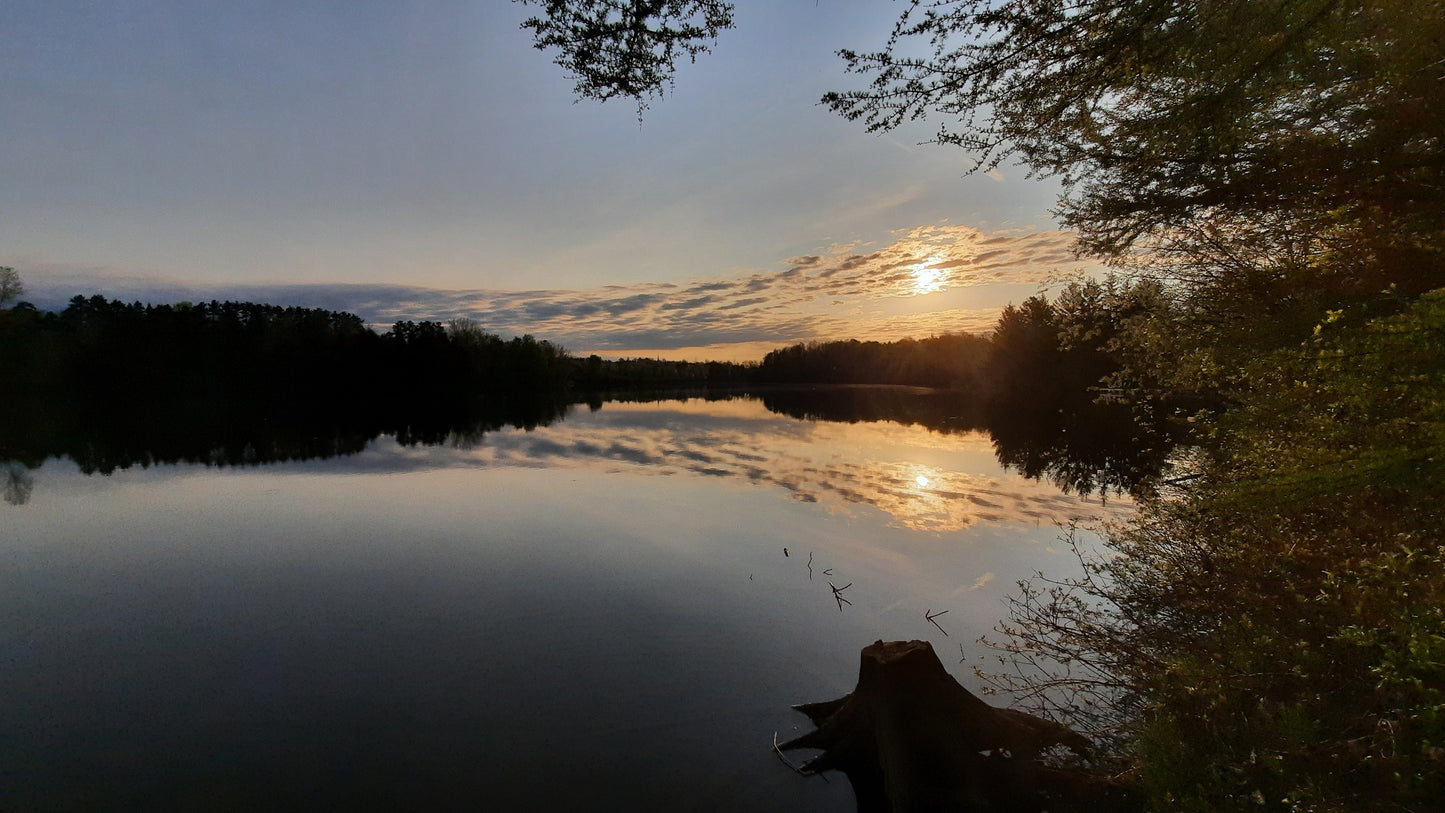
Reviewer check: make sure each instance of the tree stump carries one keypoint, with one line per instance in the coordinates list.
(910, 738)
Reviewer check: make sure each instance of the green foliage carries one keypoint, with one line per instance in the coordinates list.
(1274, 635)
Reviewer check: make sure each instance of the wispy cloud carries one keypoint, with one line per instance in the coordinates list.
(847, 291)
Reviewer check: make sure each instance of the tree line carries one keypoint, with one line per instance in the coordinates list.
(1042, 352)
(99, 349)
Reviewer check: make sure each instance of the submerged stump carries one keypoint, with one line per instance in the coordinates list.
(910, 738)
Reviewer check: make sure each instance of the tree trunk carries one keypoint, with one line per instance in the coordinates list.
(910, 738)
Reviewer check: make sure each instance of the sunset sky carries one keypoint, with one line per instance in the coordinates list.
(419, 160)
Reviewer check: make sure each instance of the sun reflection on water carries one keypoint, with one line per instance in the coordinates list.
(844, 467)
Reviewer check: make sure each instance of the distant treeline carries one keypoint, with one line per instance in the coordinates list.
(245, 358)
(595, 374)
(954, 361)
(1040, 351)
(243, 351)
(133, 351)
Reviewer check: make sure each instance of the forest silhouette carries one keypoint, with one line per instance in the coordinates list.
(113, 385)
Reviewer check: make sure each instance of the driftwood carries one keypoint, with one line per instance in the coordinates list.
(910, 738)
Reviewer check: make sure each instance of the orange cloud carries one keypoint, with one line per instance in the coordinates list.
(845, 291)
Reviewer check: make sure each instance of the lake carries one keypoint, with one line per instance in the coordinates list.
(613, 609)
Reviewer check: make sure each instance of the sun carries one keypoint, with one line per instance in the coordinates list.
(927, 279)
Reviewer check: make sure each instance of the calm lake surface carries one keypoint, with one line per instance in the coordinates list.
(611, 612)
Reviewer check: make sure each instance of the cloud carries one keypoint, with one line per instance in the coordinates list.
(692, 304)
(743, 303)
(846, 291)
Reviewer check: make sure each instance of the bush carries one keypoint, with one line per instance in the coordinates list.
(1275, 634)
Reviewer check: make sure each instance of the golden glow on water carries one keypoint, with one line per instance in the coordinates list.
(921, 479)
(736, 407)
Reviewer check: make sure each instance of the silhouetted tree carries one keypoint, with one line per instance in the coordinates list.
(626, 48)
(953, 361)
(10, 285)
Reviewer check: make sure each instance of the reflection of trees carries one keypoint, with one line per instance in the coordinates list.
(938, 410)
(1084, 448)
(1081, 446)
(229, 434)
(1090, 448)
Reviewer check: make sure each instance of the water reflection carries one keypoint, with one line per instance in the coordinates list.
(230, 434)
(923, 479)
(925, 458)
(543, 611)
(1080, 446)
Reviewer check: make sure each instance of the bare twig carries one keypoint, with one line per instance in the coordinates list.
(926, 614)
(784, 759)
(796, 769)
(838, 594)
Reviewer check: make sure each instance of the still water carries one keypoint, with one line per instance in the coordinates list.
(610, 612)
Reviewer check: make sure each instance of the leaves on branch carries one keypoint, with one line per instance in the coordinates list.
(626, 48)
(1311, 122)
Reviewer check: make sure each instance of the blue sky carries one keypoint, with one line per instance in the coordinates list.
(421, 160)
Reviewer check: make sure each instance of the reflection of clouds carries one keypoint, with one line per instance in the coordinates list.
(920, 479)
(847, 467)
(804, 301)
